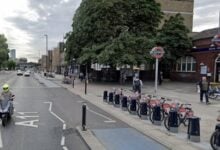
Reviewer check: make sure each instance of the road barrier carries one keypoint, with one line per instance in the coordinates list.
(84, 117)
(110, 98)
(194, 129)
(124, 103)
(173, 121)
(105, 96)
(143, 110)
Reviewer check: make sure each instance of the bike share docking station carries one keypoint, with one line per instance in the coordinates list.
(194, 129)
(173, 122)
(143, 111)
(124, 103)
(216, 136)
(105, 96)
(157, 117)
(133, 107)
(110, 98)
(117, 100)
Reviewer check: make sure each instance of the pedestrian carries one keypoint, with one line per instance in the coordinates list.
(81, 76)
(204, 88)
(160, 77)
(137, 85)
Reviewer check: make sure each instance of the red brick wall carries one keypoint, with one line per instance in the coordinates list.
(207, 58)
(203, 43)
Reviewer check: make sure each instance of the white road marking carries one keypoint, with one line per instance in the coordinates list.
(109, 120)
(62, 143)
(1, 144)
(65, 148)
(64, 126)
(79, 101)
(55, 115)
(22, 113)
(28, 123)
(25, 117)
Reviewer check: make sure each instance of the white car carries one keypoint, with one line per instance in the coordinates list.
(19, 73)
(27, 74)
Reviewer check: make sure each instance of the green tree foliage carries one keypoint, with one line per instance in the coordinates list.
(114, 32)
(174, 38)
(11, 65)
(3, 49)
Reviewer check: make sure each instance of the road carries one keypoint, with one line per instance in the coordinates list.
(46, 116)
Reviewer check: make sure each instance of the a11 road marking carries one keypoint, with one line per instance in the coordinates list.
(28, 123)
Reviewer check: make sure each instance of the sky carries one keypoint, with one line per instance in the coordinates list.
(25, 22)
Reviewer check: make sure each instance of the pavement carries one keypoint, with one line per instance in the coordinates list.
(181, 92)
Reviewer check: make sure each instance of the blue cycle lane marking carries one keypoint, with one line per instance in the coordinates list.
(126, 139)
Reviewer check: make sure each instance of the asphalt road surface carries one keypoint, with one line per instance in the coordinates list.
(46, 116)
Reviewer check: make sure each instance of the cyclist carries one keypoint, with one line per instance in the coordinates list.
(6, 93)
(6, 97)
(137, 84)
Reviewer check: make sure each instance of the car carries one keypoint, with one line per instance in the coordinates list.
(19, 73)
(27, 74)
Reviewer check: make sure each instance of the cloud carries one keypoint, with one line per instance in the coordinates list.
(27, 21)
(24, 22)
(206, 14)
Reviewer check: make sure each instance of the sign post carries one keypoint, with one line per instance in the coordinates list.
(156, 52)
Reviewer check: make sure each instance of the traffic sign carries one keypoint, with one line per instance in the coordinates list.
(157, 52)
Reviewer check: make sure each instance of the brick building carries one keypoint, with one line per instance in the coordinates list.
(202, 60)
(184, 7)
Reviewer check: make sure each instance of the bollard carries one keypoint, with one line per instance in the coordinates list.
(143, 110)
(117, 100)
(133, 107)
(194, 129)
(157, 115)
(173, 122)
(84, 117)
(110, 98)
(105, 96)
(124, 103)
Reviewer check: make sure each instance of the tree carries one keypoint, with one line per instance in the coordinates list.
(11, 65)
(3, 50)
(114, 32)
(174, 38)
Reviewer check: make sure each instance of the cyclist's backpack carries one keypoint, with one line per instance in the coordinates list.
(137, 83)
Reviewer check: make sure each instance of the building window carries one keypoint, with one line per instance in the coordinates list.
(186, 64)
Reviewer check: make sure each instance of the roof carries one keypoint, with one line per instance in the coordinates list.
(210, 33)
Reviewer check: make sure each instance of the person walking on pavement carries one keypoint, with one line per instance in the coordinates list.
(204, 87)
(137, 84)
(160, 77)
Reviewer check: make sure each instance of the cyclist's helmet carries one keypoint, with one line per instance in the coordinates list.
(5, 87)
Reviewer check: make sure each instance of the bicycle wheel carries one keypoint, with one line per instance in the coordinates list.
(213, 139)
(212, 95)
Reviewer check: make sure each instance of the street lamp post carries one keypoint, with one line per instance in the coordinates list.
(46, 36)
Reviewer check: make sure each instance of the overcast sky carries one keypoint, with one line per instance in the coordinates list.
(25, 22)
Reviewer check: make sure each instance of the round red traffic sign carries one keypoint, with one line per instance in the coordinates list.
(157, 52)
(216, 40)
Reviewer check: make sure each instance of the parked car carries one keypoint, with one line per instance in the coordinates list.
(19, 73)
(27, 74)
